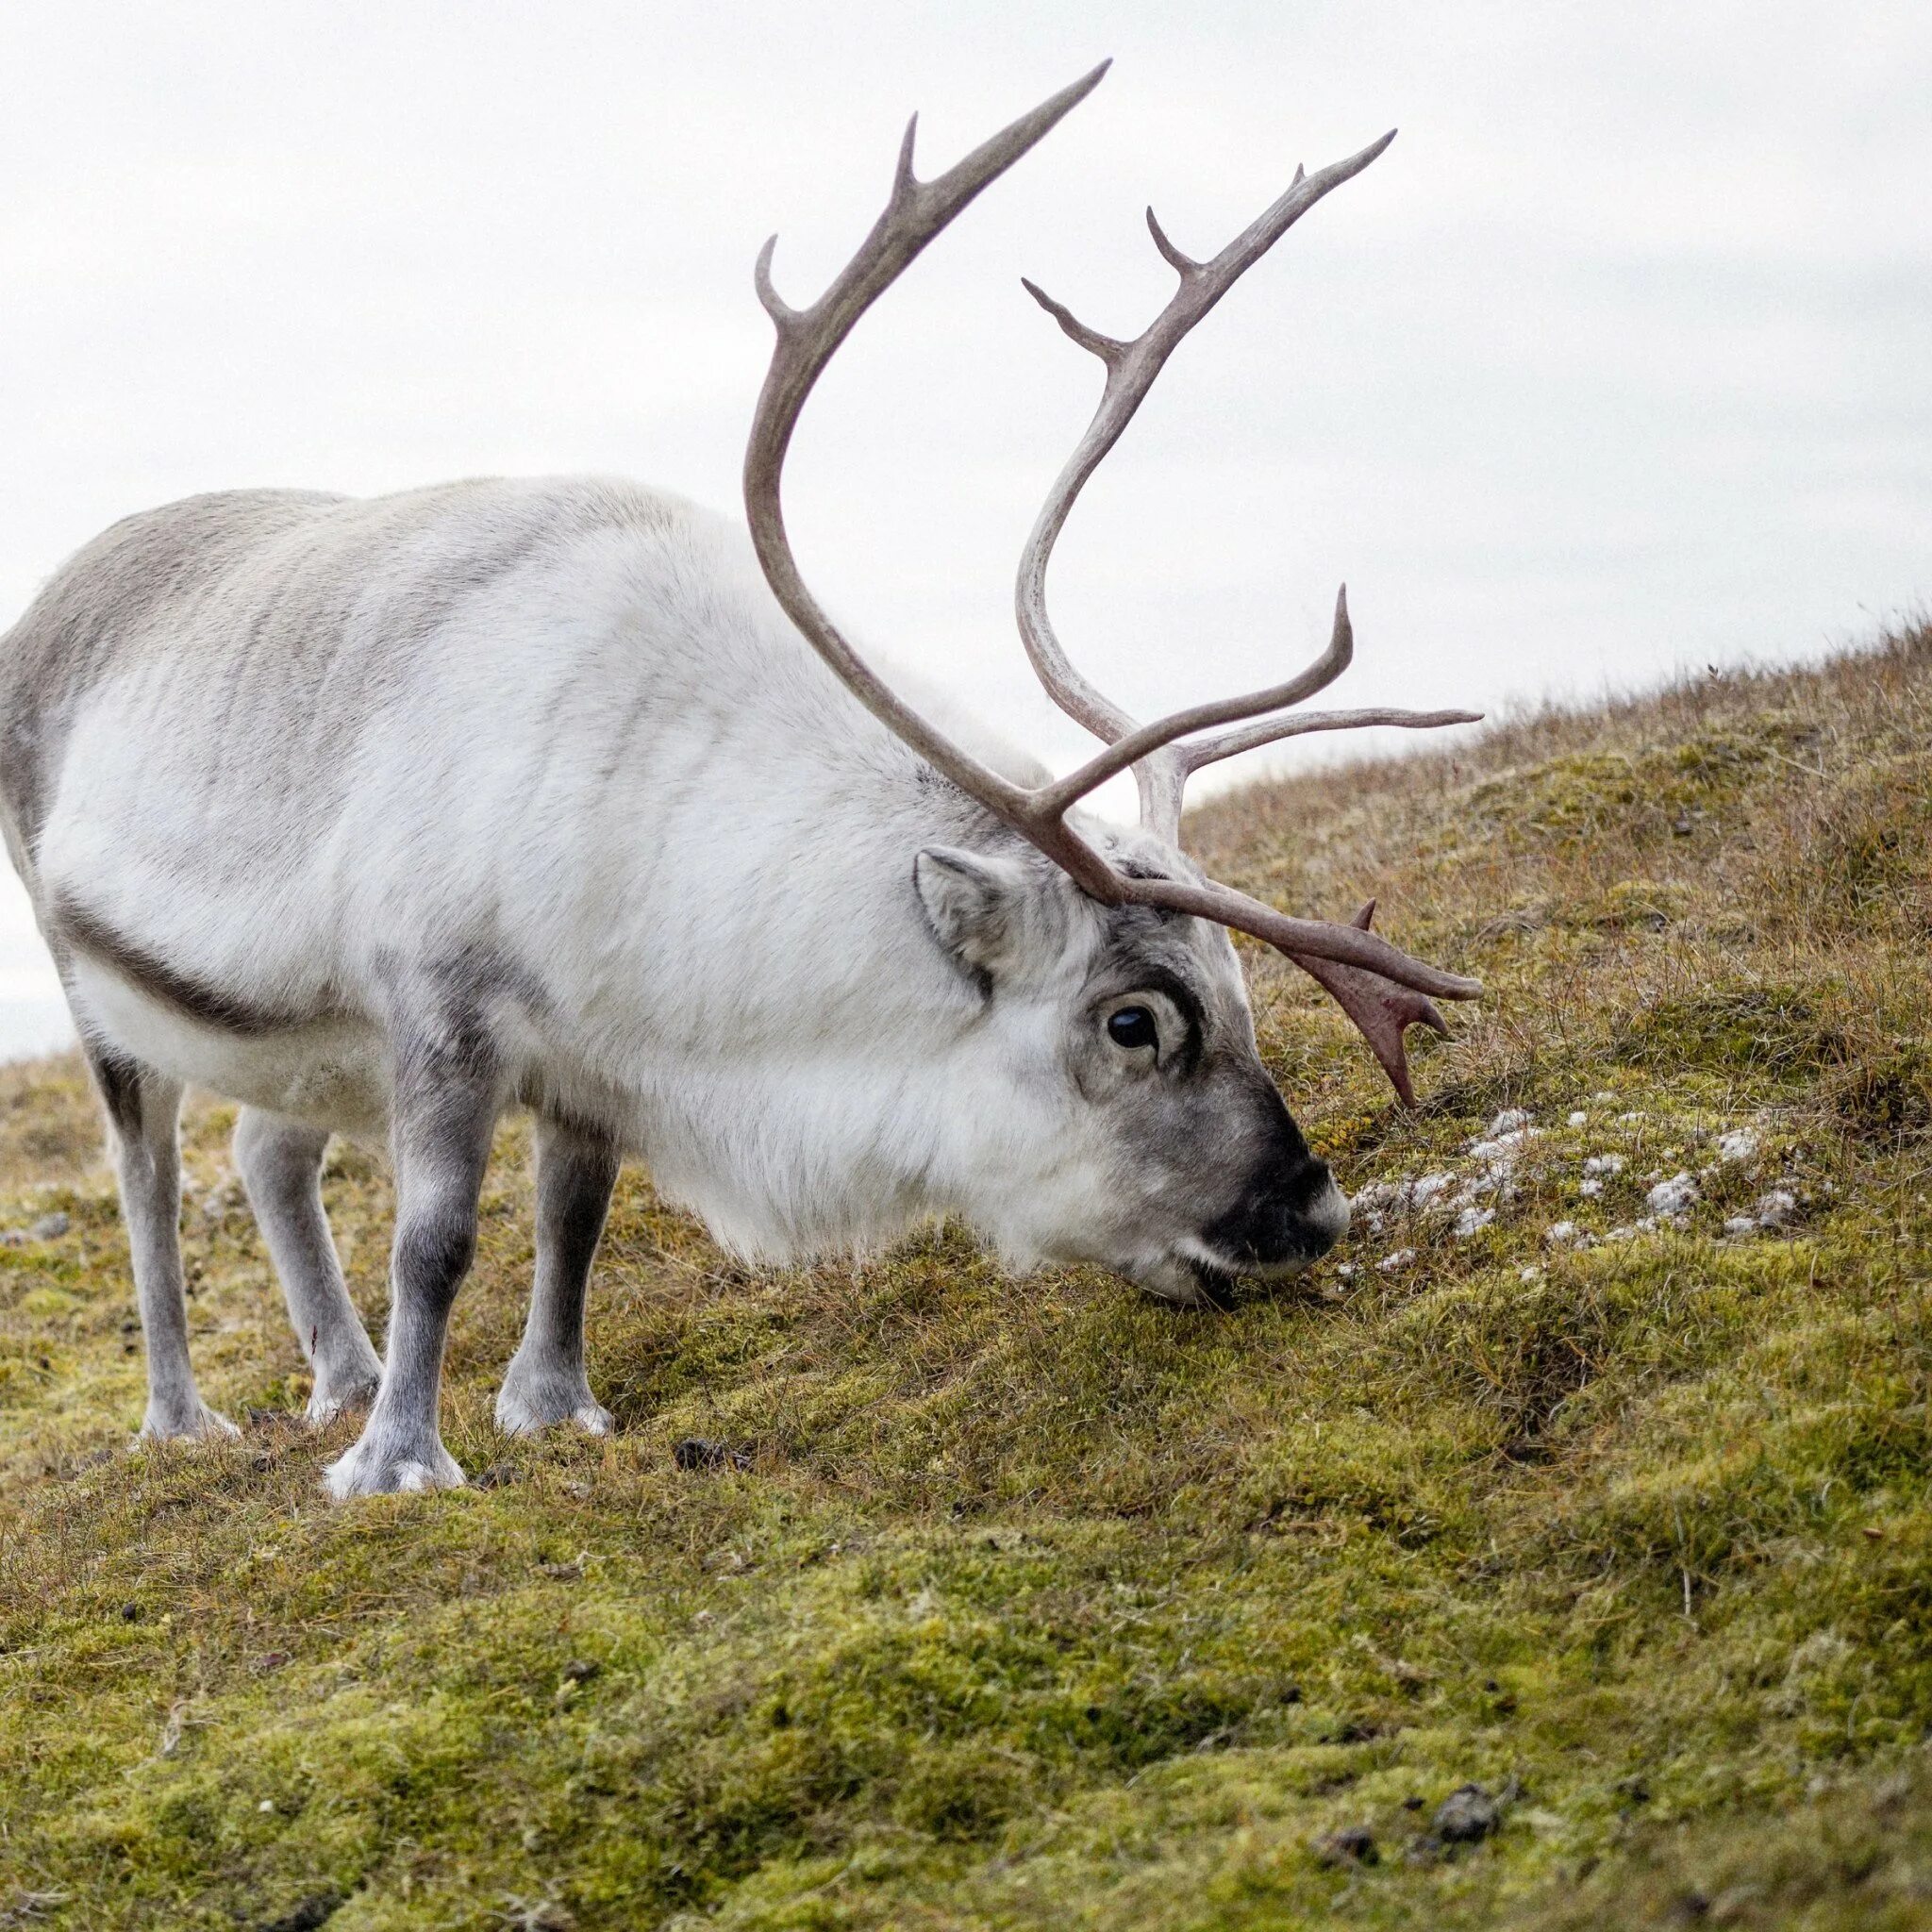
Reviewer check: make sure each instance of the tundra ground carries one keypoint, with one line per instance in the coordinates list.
(1591, 1469)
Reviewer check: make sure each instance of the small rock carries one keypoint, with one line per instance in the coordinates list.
(580, 1670)
(13, 1237)
(1473, 1220)
(1604, 1164)
(1354, 1844)
(1579, 1118)
(1777, 1208)
(700, 1452)
(308, 1916)
(1400, 1258)
(49, 1227)
(1508, 1121)
(1466, 1816)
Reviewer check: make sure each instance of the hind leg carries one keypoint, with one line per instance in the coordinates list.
(144, 1109)
(280, 1164)
(546, 1384)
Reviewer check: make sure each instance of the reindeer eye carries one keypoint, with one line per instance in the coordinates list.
(1131, 1027)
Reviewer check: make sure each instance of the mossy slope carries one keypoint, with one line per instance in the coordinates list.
(1038, 1605)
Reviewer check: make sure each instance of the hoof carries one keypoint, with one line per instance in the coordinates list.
(527, 1405)
(195, 1425)
(387, 1470)
(348, 1396)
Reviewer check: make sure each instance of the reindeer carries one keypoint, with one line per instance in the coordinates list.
(388, 816)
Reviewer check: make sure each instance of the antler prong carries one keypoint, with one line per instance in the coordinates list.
(1382, 989)
(1106, 347)
(776, 306)
(1195, 753)
(1183, 265)
(1132, 746)
(904, 182)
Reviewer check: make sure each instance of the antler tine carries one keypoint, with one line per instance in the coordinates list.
(1137, 744)
(1163, 775)
(1209, 751)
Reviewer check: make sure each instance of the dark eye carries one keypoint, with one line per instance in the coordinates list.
(1132, 1027)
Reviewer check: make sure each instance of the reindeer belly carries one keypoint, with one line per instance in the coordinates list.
(332, 1072)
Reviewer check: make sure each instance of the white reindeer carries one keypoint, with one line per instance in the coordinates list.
(390, 815)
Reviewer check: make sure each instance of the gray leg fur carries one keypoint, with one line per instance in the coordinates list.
(545, 1383)
(143, 1110)
(445, 1107)
(280, 1164)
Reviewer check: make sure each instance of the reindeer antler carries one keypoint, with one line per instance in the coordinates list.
(1377, 984)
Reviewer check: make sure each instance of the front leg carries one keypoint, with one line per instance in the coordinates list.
(445, 1107)
(577, 1169)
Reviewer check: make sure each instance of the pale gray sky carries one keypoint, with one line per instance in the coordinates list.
(1618, 360)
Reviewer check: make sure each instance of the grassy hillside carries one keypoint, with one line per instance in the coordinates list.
(1035, 1604)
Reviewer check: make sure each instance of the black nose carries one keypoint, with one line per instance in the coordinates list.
(1293, 1213)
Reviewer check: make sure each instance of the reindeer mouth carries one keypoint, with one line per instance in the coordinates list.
(1218, 1279)
(1214, 1280)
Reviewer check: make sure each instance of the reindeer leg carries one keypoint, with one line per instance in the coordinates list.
(447, 1095)
(545, 1383)
(143, 1107)
(280, 1164)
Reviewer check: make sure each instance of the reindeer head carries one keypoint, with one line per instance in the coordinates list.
(1152, 1033)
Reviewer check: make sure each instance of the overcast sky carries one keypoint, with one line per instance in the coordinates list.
(1619, 360)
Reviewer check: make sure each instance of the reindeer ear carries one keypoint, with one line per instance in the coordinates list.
(975, 904)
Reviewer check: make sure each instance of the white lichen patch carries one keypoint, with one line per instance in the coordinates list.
(1673, 1199)
(1771, 1211)
(1597, 1169)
